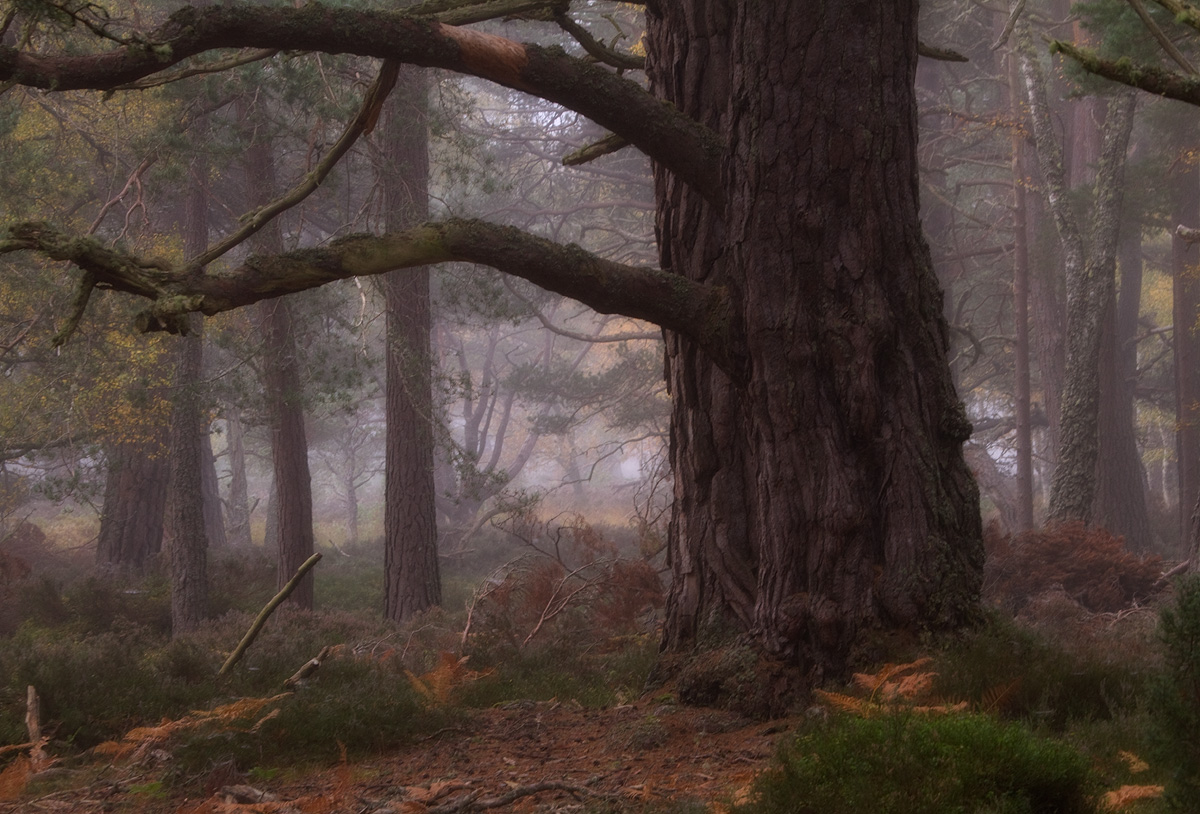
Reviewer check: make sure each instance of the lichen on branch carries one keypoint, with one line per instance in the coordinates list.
(701, 312)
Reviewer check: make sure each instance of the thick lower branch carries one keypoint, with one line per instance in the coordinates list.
(700, 312)
(689, 149)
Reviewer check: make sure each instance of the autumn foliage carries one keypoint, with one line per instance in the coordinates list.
(1088, 563)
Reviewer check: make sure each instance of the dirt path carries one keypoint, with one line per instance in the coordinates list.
(524, 757)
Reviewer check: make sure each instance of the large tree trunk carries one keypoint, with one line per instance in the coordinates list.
(135, 499)
(821, 490)
(411, 579)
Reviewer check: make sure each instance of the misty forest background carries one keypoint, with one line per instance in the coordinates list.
(549, 421)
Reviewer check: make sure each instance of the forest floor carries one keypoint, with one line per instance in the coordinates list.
(521, 757)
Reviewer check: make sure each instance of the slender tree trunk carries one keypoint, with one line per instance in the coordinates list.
(412, 583)
(1089, 279)
(189, 438)
(1120, 504)
(214, 522)
(1185, 263)
(1022, 389)
(820, 489)
(351, 494)
(284, 393)
(189, 542)
(135, 499)
(239, 492)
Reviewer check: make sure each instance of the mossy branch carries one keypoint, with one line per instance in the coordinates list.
(700, 312)
(1149, 78)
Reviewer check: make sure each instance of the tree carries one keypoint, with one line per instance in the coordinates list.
(1090, 274)
(820, 488)
(411, 581)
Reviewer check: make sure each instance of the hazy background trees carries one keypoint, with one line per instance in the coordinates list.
(531, 396)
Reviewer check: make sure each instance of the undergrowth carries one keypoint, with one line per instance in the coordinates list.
(903, 763)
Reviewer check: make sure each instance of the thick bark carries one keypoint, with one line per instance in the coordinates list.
(284, 396)
(135, 498)
(411, 580)
(820, 484)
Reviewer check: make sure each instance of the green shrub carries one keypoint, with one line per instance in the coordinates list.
(907, 764)
(1175, 697)
(359, 705)
(1016, 672)
(94, 688)
(545, 673)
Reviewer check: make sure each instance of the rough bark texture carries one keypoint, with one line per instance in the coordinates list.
(411, 580)
(284, 394)
(135, 498)
(190, 450)
(188, 554)
(820, 489)
(1089, 273)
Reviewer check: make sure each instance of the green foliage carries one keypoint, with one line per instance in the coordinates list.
(901, 763)
(1175, 697)
(1012, 670)
(595, 681)
(94, 687)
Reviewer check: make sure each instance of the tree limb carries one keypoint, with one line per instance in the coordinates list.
(598, 50)
(677, 142)
(363, 122)
(1149, 78)
(698, 311)
(1163, 40)
(609, 144)
(266, 612)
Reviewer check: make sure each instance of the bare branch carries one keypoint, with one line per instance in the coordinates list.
(1161, 37)
(363, 122)
(598, 50)
(940, 54)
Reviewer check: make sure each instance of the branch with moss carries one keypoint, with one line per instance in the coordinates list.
(676, 141)
(700, 312)
(1149, 78)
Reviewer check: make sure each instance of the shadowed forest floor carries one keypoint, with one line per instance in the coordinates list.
(523, 756)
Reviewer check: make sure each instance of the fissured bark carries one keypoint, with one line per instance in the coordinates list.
(820, 489)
